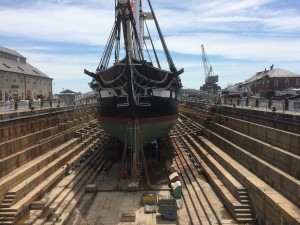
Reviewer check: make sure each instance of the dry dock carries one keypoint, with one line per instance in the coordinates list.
(226, 166)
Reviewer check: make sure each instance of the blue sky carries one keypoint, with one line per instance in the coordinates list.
(64, 37)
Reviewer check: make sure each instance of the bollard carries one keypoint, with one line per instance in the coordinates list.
(16, 105)
(273, 108)
(286, 104)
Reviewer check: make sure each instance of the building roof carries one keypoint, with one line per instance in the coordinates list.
(18, 67)
(12, 52)
(274, 73)
(68, 92)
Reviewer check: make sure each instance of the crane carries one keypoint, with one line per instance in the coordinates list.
(210, 78)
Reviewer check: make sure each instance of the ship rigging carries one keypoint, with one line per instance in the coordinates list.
(131, 87)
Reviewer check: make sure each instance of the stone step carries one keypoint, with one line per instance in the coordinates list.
(6, 219)
(11, 193)
(7, 200)
(10, 196)
(7, 222)
(5, 210)
(5, 205)
(246, 215)
(245, 201)
(246, 220)
(7, 214)
(242, 206)
(244, 197)
(244, 211)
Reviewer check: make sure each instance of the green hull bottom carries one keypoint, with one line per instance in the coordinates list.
(149, 131)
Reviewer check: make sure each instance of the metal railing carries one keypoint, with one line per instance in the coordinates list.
(29, 105)
(25, 105)
(265, 104)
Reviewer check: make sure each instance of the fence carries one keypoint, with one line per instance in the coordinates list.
(29, 105)
(265, 104)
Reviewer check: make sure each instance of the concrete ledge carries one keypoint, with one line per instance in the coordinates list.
(258, 117)
(284, 160)
(282, 139)
(225, 177)
(63, 201)
(237, 209)
(18, 144)
(18, 159)
(33, 181)
(22, 205)
(257, 187)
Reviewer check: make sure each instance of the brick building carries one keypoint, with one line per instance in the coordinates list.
(273, 80)
(19, 79)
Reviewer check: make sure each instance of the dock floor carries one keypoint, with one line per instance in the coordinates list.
(112, 199)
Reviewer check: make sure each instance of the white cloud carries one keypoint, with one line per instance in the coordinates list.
(240, 36)
(58, 24)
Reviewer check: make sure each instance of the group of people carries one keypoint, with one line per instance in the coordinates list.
(9, 103)
(15, 103)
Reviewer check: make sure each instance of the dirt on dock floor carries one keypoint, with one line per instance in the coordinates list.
(112, 200)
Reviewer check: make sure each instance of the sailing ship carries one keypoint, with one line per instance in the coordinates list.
(132, 89)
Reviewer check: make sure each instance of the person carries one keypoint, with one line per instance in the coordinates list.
(12, 101)
(7, 104)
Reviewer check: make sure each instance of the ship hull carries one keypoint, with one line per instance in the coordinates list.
(135, 92)
(154, 120)
(151, 128)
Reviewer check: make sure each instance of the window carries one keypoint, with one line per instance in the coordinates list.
(297, 82)
(6, 65)
(20, 68)
(9, 56)
(286, 82)
(276, 82)
(36, 72)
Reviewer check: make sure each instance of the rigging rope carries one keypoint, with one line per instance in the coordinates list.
(168, 56)
(147, 50)
(154, 51)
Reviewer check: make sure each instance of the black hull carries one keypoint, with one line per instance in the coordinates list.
(154, 121)
(131, 89)
(158, 106)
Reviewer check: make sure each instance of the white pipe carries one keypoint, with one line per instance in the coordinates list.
(136, 15)
(129, 40)
(141, 26)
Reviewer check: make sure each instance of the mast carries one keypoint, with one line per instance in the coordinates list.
(141, 25)
(128, 29)
(135, 7)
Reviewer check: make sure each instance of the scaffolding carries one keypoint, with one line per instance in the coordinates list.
(134, 147)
